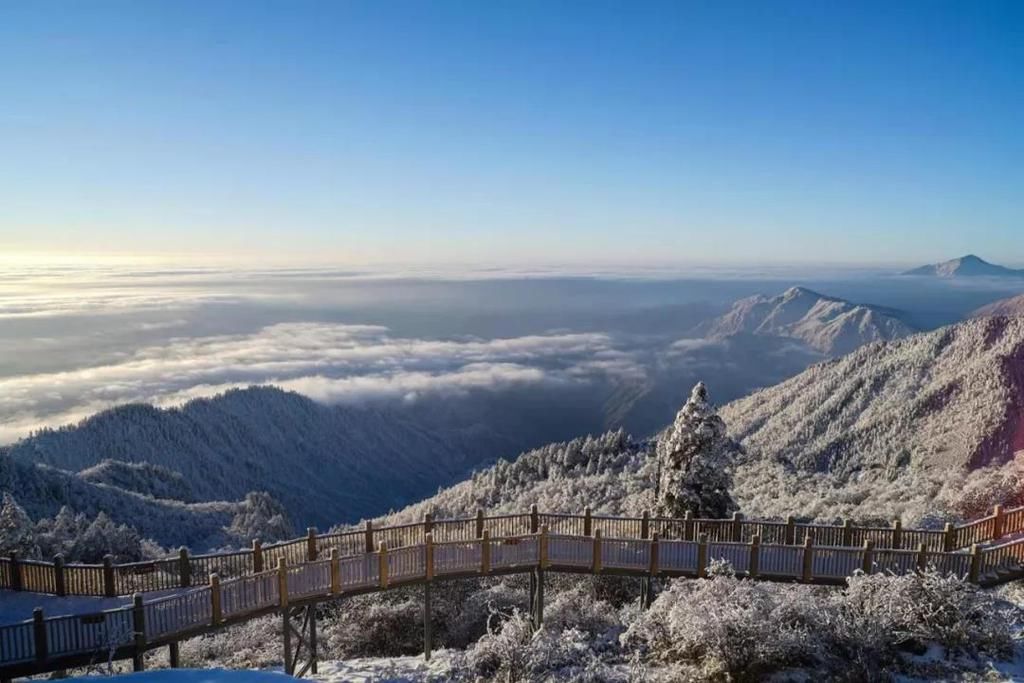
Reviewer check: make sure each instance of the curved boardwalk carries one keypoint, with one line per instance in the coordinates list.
(212, 591)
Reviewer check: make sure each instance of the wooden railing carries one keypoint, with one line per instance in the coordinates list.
(301, 572)
(110, 579)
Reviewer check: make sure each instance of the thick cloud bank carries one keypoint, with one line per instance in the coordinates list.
(333, 363)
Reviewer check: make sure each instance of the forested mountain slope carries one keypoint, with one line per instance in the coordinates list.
(1013, 306)
(325, 464)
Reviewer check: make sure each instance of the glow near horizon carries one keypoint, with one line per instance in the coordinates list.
(454, 133)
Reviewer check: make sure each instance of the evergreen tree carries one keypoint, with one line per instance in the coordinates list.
(17, 532)
(694, 460)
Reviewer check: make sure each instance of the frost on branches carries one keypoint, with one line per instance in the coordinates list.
(694, 460)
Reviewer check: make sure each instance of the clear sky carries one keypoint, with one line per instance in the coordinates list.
(495, 132)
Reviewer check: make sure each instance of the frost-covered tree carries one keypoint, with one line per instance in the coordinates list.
(16, 529)
(261, 517)
(695, 457)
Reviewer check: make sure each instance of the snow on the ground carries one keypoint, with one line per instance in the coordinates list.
(412, 669)
(197, 676)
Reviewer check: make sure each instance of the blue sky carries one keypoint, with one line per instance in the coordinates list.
(361, 132)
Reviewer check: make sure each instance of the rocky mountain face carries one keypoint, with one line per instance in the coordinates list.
(1013, 306)
(965, 266)
(826, 324)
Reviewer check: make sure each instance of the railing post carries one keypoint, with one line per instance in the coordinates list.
(808, 572)
(58, 575)
(975, 571)
(534, 519)
(257, 556)
(428, 551)
(369, 536)
(282, 582)
(587, 522)
(108, 576)
(754, 564)
(998, 522)
(139, 626)
(479, 524)
(655, 551)
(868, 560)
(39, 634)
(215, 604)
(184, 567)
(311, 552)
(922, 557)
(702, 555)
(897, 534)
(948, 537)
(542, 550)
(596, 564)
(688, 526)
(16, 582)
(737, 527)
(428, 524)
(382, 563)
(645, 524)
(790, 534)
(332, 554)
(847, 533)
(485, 552)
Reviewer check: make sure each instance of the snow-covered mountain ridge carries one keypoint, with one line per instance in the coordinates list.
(827, 324)
(965, 266)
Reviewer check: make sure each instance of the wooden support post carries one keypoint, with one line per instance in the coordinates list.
(808, 572)
(184, 567)
(485, 552)
(139, 627)
(847, 533)
(790, 534)
(868, 559)
(645, 524)
(59, 582)
(39, 635)
(922, 557)
(588, 522)
(382, 566)
(948, 537)
(289, 661)
(534, 519)
(428, 524)
(897, 534)
(655, 551)
(311, 551)
(754, 564)
(282, 586)
(702, 555)
(215, 605)
(542, 547)
(332, 554)
(688, 526)
(16, 579)
(428, 626)
(108, 576)
(428, 557)
(174, 655)
(975, 571)
(539, 618)
(596, 565)
(369, 536)
(257, 556)
(313, 646)
(737, 527)
(998, 522)
(479, 524)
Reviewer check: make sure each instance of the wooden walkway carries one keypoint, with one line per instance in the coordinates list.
(216, 590)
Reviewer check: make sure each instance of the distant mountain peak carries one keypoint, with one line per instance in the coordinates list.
(825, 323)
(965, 266)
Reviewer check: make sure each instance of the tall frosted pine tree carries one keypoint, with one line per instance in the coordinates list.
(694, 462)
(17, 531)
